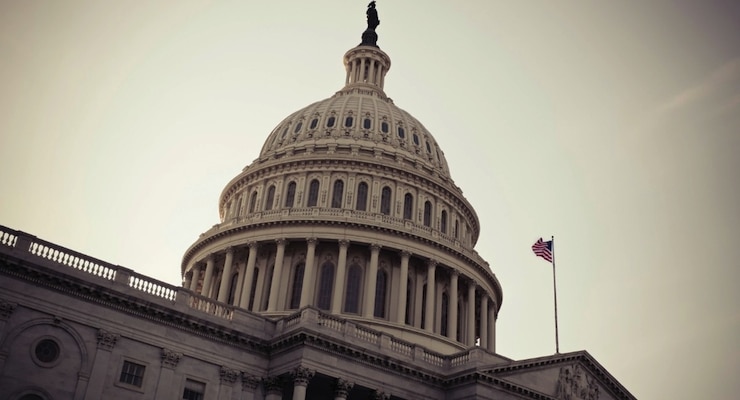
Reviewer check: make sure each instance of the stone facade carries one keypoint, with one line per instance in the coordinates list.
(343, 267)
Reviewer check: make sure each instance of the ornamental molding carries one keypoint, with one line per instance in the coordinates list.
(107, 340)
(273, 385)
(170, 359)
(6, 308)
(250, 382)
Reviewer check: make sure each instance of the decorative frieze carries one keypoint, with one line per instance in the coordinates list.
(107, 340)
(575, 384)
(170, 359)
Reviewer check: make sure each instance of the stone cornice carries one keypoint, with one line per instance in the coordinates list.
(113, 297)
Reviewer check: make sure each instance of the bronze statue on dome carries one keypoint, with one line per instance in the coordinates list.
(372, 16)
(369, 37)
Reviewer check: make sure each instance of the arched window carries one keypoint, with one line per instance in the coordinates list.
(416, 139)
(385, 201)
(270, 197)
(362, 196)
(457, 229)
(384, 127)
(443, 322)
(253, 202)
(408, 206)
(427, 213)
(298, 127)
(326, 282)
(443, 222)
(330, 122)
(354, 280)
(381, 288)
(295, 292)
(314, 123)
(336, 196)
(253, 290)
(238, 209)
(232, 289)
(313, 193)
(290, 195)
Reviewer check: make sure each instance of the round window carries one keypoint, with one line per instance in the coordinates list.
(46, 351)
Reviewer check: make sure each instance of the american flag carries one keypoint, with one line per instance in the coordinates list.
(543, 249)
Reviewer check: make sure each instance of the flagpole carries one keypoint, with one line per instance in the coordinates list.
(555, 295)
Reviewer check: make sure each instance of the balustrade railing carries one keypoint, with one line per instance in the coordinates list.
(152, 286)
(210, 306)
(8, 237)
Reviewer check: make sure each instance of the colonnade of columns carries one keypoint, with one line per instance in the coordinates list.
(366, 70)
(476, 325)
(301, 378)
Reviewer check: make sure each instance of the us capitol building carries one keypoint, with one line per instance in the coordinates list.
(342, 267)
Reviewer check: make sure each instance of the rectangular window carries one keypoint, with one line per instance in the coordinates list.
(132, 373)
(194, 390)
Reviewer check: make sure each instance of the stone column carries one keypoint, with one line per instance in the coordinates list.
(170, 359)
(276, 275)
(239, 283)
(471, 314)
(223, 290)
(249, 386)
(204, 291)
(484, 320)
(429, 310)
(342, 389)
(228, 378)
(492, 327)
(196, 277)
(403, 287)
(187, 279)
(248, 276)
(336, 301)
(301, 376)
(106, 342)
(371, 281)
(452, 312)
(309, 273)
(273, 388)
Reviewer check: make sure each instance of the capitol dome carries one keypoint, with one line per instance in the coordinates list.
(350, 209)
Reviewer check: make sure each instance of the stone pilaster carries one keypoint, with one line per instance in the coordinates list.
(106, 342)
(170, 359)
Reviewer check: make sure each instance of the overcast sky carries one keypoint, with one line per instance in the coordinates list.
(612, 125)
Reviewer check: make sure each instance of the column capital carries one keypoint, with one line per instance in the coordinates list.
(281, 241)
(170, 358)
(342, 388)
(250, 382)
(229, 375)
(405, 254)
(273, 385)
(432, 262)
(211, 257)
(301, 375)
(378, 395)
(253, 245)
(344, 243)
(230, 249)
(454, 271)
(312, 241)
(106, 340)
(375, 247)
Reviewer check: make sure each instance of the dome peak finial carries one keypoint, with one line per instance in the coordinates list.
(369, 37)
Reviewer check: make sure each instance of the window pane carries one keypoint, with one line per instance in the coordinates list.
(313, 193)
(295, 298)
(385, 201)
(354, 278)
(362, 196)
(132, 373)
(336, 199)
(326, 282)
(290, 196)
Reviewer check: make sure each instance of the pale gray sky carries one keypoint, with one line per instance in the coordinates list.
(614, 126)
